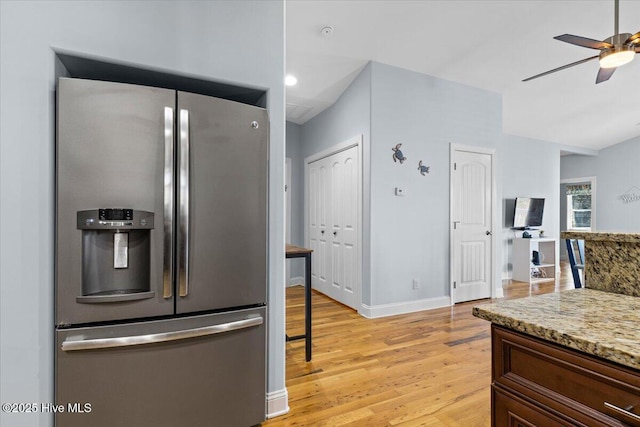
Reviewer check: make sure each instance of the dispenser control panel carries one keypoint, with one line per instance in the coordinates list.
(114, 219)
(113, 214)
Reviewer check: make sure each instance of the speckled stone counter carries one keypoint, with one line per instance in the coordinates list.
(612, 261)
(603, 324)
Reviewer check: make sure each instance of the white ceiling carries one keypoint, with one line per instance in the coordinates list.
(491, 45)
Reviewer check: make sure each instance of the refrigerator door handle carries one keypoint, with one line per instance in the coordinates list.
(183, 279)
(94, 344)
(168, 203)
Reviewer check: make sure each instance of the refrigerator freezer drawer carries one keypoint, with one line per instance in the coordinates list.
(195, 371)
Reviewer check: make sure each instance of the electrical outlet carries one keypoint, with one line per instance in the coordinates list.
(416, 284)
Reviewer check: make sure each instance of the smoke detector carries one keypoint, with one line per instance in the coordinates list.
(326, 31)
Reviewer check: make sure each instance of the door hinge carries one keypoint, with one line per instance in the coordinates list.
(455, 166)
(454, 285)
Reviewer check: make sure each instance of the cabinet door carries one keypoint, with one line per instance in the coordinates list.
(564, 380)
(511, 411)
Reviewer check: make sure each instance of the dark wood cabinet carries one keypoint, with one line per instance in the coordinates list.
(538, 383)
(513, 411)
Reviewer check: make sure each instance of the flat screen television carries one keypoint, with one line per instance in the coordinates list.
(528, 213)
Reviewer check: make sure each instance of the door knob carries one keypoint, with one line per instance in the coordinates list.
(488, 233)
(335, 233)
(321, 231)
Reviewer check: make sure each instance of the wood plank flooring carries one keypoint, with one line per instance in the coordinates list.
(430, 368)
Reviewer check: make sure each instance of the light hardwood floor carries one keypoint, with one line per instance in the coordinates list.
(430, 368)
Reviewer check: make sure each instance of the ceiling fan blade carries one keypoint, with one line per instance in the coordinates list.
(634, 39)
(583, 41)
(582, 61)
(604, 74)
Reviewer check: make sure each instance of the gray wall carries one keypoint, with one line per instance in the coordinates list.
(348, 117)
(530, 168)
(236, 42)
(617, 173)
(405, 238)
(410, 235)
(294, 152)
(578, 166)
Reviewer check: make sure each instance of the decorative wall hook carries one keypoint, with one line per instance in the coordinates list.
(423, 169)
(397, 154)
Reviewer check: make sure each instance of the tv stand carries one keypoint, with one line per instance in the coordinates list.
(524, 270)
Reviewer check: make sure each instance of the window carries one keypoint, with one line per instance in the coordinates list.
(579, 207)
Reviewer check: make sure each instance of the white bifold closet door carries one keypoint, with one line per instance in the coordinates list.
(333, 225)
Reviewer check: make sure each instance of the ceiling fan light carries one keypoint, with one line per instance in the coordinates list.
(617, 57)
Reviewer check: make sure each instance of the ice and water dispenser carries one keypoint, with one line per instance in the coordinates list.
(116, 257)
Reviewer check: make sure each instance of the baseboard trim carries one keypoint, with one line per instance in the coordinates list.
(277, 403)
(384, 310)
(500, 292)
(295, 281)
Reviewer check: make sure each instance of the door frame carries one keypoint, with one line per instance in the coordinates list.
(495, 293)
(287, 195)
(355, 141)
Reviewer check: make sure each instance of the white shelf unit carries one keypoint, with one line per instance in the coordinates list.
(524, 270)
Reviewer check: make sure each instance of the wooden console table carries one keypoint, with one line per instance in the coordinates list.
(298, 252)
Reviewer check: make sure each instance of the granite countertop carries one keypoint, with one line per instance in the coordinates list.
(608, 236)
(603, 324)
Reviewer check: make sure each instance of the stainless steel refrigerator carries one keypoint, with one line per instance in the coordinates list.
(161, 262)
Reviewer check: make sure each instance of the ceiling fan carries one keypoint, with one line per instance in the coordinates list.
(615, 51)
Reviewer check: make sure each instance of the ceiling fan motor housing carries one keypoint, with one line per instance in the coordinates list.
(607, 60)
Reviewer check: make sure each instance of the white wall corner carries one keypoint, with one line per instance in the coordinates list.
(384, 310)
(277, 403)
(295, 281)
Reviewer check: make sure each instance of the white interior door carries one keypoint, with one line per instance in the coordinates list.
(334, 224)
(344, 225)
(471, 214)
(317, 228)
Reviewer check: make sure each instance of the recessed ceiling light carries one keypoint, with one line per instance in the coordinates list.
(290, 80)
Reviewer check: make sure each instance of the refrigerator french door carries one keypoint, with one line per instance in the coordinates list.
(161, 259)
